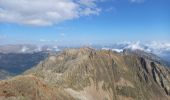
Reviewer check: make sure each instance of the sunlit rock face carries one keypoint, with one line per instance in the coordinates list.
(88, 74)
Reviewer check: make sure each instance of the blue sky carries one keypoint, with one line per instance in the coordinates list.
(88, 21)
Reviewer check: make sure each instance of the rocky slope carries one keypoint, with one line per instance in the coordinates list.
(88, 74)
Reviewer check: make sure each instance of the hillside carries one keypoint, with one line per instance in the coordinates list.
(88, 74)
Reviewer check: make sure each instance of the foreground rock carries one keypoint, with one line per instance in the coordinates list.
(87, 74)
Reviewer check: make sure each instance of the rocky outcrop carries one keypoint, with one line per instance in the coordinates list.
(88, 74)
(161, 77)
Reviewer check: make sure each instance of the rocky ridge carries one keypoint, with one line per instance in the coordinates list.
(88, 74)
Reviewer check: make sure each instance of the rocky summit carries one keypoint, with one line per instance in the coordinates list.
(88, 74)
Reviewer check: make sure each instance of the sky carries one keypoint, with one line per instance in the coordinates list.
(83, 21)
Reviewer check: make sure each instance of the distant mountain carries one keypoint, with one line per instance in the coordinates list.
(15, 59)
(16, 63)
(88, 74)
(27, 48)
(5, 75)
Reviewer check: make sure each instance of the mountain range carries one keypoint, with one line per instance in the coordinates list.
(13, 62)
(90, 74)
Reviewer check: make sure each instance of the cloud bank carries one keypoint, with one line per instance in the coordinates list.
(156, 47)
(45, 12)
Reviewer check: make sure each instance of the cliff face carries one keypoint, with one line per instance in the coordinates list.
(88, 74)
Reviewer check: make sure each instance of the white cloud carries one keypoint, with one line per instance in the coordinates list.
(159, 47)
(89, 11)
(45, 12)
(156, 47)
(24, 49)
(135, 46)
(89, 3)
(118, 50)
